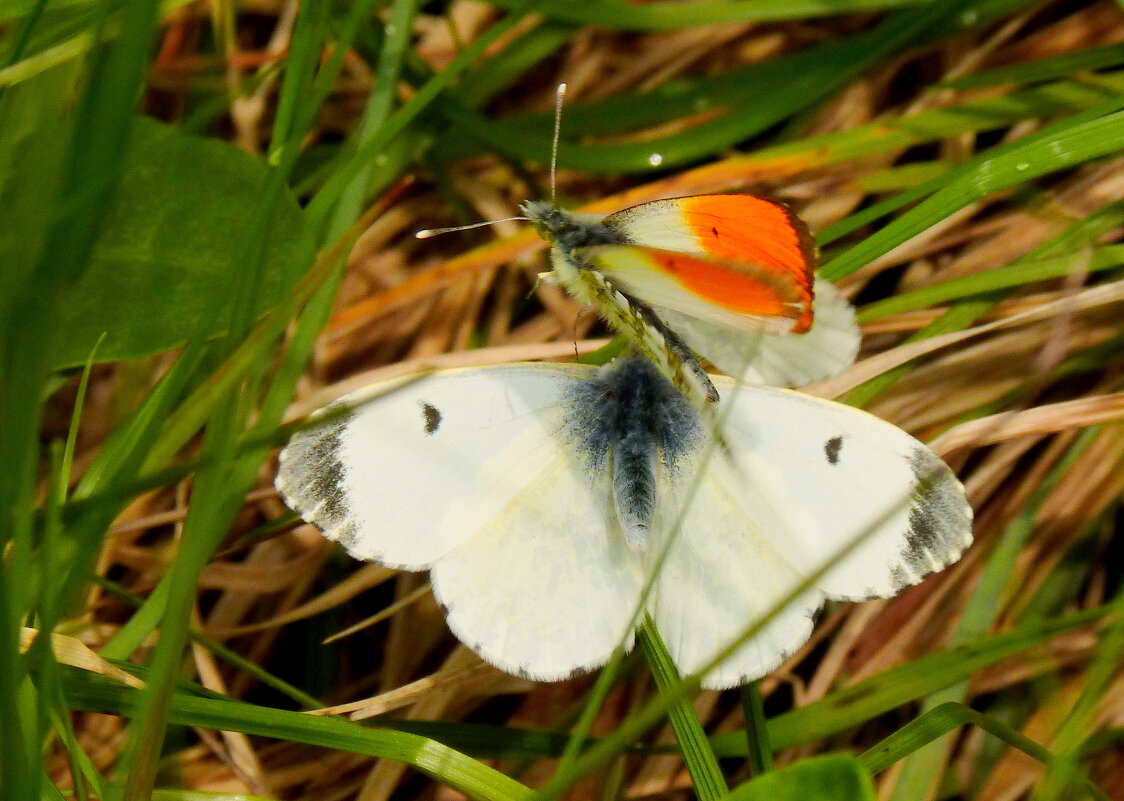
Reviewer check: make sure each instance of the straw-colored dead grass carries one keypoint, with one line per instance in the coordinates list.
(406, 303)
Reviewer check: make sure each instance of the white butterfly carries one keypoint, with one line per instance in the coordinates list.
(543, 497)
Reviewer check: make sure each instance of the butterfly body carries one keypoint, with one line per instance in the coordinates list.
(553, 504)
(571, 235)
(638, 429)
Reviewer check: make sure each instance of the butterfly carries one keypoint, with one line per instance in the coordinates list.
(728, 276)
(555, 504)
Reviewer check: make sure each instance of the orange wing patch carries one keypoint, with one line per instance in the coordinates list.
(743, 228)
(738, 291)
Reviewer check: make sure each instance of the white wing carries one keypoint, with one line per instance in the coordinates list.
(473, 474)
(402, 472)
(549, 589)
(721, 577)
(829, 482)
(785, 360)
(801, 484)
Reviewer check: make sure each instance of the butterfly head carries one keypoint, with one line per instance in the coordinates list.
(565, 230)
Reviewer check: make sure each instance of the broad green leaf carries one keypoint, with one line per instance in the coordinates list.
(32, 143)
(158, 273)
(832, 777)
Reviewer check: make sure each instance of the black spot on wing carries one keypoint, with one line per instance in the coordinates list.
(831, 449)
(431, 417)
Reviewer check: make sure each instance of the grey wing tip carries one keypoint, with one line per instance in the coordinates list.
(940, 520)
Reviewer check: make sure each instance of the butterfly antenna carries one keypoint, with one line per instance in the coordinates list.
(426, 233)
(559, 96)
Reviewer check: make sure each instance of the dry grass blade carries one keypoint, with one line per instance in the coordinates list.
(72, 651)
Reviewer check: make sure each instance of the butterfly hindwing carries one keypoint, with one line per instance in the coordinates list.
(786, 360)
(722, 575)
(476, 474)
(549, 588)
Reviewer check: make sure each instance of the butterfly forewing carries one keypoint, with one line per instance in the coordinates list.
(829, 482)
(406, 476)
(757, 239)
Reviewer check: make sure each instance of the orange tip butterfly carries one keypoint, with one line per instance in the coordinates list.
(728, 276)
(555, 504)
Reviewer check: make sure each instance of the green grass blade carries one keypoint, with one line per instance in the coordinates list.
(122, 645)
(859, 702)
(448, 766)
(924, 767)
(1089, 135)
(706, 776)
(760, 750)
(828, 777)
(753, 100)
(1014, 275)
(662, 16)
(334, 188)
(71, 141)
(1082, 234)
(394, 45)
(504, 68)
(1082, 718)
(1046, 69)
(948, 717)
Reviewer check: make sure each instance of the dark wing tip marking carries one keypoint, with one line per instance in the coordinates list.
(431, 417)
(898, 578)
(831, 449)
(940, 519)
(312, 475)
